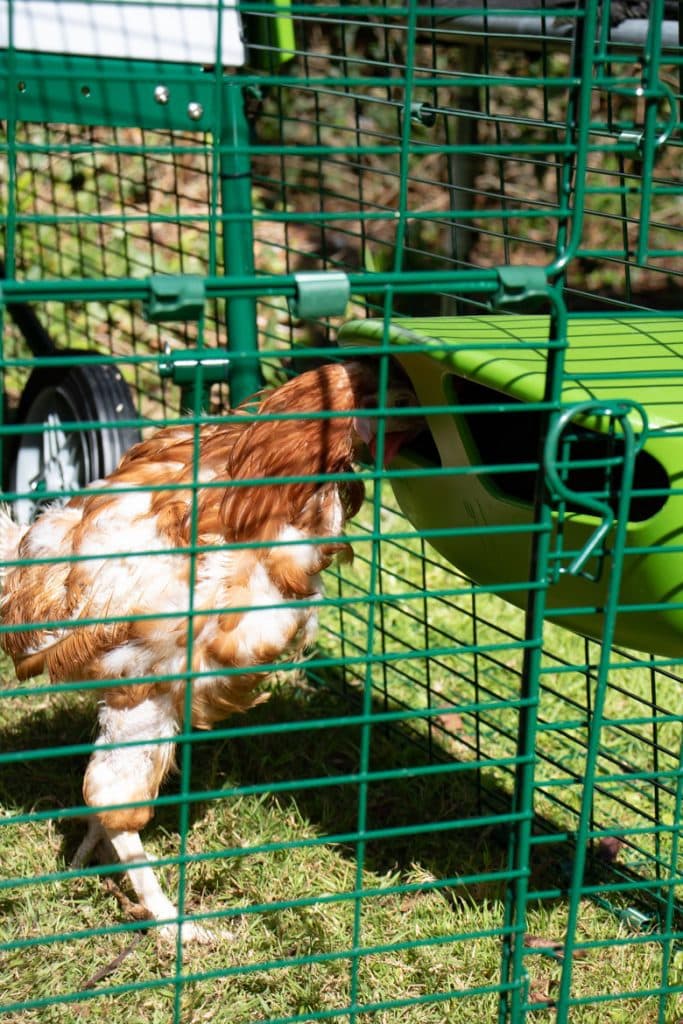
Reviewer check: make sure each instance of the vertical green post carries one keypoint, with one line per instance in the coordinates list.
(575, 163)
(10, 212)
(620, 412)
(651, 72)
(238, 242)
(513, 973)
(669, 944)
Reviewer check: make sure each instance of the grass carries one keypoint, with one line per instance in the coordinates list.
(279, 853)
(460, 964)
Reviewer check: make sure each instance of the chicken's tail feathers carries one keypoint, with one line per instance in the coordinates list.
(10, 536)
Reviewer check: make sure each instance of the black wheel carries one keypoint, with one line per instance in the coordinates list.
(60, 459)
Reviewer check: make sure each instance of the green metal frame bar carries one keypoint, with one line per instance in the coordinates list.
(238, 241)
(513, 973)
(596, 721)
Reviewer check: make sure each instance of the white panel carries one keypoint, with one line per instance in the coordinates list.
(152, 30)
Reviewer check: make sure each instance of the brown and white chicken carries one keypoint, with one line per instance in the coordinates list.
(195, 563)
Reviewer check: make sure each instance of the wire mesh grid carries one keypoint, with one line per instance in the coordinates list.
(111, 202)
(488, 159)
(456, 812)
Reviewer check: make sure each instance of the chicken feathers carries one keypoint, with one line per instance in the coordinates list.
(198, 559)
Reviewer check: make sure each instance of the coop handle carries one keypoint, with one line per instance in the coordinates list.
(624, 411)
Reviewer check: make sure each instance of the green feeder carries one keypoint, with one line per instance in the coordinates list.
(493, 368)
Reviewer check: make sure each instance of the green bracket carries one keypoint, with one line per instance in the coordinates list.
(175, 297)
(320, 293)
(107, 91)
(195, 370)
(522, 289)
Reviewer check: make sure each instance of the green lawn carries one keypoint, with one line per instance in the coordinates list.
(279, 852)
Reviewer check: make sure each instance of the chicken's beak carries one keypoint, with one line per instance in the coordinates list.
(364, 427)
(393, 442)
(397, 434)
(398, 430)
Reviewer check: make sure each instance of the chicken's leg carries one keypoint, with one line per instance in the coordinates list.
(133, 753)
(130, 850)
(89, 843)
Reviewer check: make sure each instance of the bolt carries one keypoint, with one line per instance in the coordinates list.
(161, 95)
(195, 111)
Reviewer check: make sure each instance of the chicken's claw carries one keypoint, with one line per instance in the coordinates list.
(194, 933)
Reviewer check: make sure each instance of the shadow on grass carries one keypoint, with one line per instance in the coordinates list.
(449, 803)
(428, 814)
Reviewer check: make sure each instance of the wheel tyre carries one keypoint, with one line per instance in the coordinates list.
(44, 462)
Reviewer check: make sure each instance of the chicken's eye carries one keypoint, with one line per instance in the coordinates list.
(401, 400)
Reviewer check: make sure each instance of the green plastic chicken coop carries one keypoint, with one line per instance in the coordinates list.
(465, 804)
(490, 370)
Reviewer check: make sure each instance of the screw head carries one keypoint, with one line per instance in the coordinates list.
(195, 111)
(161, 94)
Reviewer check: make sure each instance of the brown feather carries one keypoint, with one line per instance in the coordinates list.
(201, 553)
(294, 444)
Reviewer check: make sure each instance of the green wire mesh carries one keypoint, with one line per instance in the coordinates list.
(110, 203)
(453, 810)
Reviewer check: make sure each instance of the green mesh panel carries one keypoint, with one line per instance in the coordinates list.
(456, 808)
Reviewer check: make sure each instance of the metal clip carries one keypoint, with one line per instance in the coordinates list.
(422, 113)
(174, 297)
(523, 287)
(320, 293)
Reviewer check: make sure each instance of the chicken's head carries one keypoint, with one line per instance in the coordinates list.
(390, 413)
